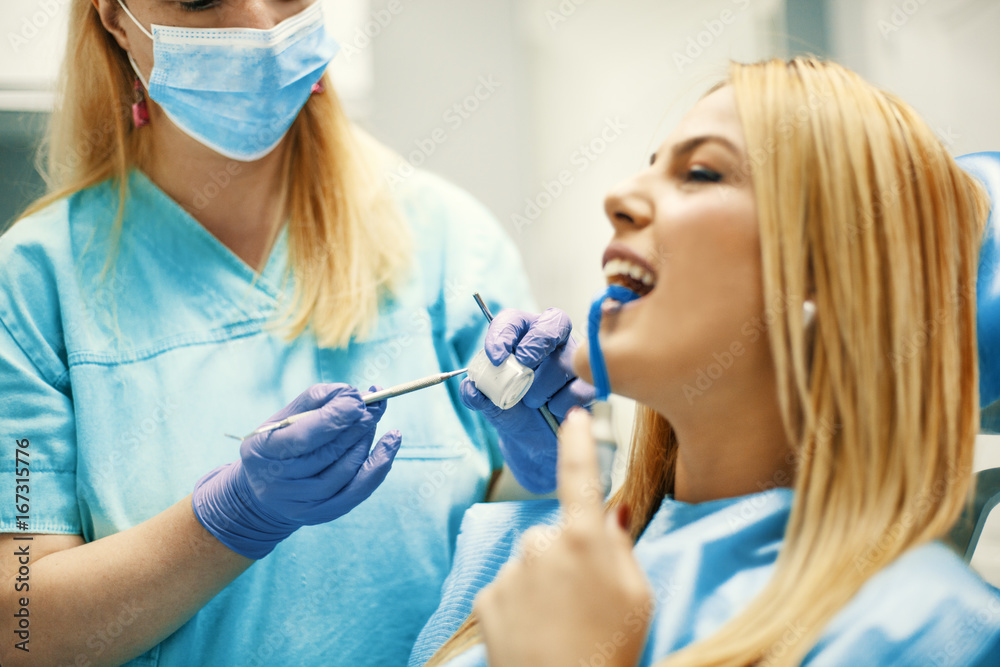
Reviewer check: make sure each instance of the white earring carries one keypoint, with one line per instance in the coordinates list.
(808, 313)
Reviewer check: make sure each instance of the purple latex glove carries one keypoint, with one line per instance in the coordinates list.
(543, 344)
(310, 472)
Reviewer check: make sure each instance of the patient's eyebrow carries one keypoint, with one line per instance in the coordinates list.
(685, 147)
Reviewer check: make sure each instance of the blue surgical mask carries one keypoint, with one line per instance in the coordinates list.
(238, 90)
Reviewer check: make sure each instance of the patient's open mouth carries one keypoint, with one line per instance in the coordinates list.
(622, 266)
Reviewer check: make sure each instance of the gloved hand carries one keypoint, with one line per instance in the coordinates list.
(542, 343)
(310, 472)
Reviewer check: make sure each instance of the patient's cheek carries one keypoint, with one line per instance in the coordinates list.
(581, 363)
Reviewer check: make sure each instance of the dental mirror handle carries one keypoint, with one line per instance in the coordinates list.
(373, 397)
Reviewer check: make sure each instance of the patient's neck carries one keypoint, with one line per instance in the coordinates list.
(732, 444)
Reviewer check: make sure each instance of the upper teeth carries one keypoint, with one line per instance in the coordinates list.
(623, 267)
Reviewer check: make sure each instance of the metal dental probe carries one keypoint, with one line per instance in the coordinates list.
(550, 419)
(374, 397)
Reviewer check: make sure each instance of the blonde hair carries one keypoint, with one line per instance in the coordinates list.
(348, 242)
(862, 209)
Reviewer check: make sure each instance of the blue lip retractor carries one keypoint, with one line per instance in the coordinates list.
(597, 367)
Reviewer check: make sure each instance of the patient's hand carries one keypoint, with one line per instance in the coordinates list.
(577, 592)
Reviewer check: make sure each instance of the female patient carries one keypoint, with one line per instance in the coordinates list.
(803, 438)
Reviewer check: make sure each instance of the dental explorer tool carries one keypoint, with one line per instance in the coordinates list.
(550, 419)
(373, 397)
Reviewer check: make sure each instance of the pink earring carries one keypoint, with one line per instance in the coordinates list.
(140, 112)
(318, 88)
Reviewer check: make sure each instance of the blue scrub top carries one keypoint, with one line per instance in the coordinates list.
(706, 562)
(125, 387)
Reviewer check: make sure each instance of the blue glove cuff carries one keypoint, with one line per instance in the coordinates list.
(226, 507)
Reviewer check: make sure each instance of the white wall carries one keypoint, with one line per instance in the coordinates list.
(451, 93)
(941, 56)
(33, 35)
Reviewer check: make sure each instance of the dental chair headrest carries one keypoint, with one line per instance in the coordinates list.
(986, 167)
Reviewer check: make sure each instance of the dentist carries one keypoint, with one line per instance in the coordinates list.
(218, 238)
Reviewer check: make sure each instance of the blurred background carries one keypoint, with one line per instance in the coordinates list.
(544, 104)
(527, 91)
(537, 107)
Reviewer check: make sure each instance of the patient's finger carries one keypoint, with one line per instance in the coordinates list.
(577, 472)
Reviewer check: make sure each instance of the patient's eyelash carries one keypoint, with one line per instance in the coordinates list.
(703, 175)
(198, 5)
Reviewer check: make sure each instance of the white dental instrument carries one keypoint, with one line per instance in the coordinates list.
(511, 380)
